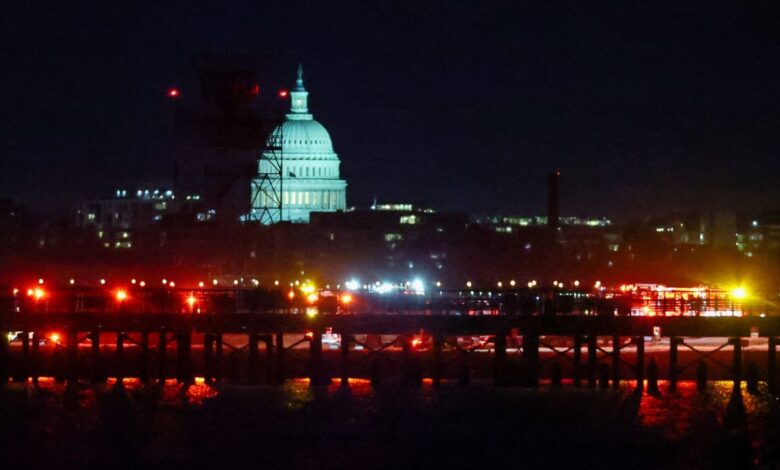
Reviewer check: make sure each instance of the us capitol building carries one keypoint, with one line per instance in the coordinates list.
(310, 180)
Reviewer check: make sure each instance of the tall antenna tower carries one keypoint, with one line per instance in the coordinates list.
(267, 204)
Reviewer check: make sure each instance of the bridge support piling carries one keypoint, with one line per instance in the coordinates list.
(592, 361)
(437, 362)
(35, 357)
(162, 356)
(22, 372)
(120, 358)
(184, 357)
(771, 366)
(252, 357)
(217, 356)
(4, 358)
(72, 344)
(577, 359)
(280, 372)
(737, 364)
(531, 358)
(464, 377)
(639, 341)
(208, 357)
(268, 343)
(673, 368)
(345, 343)
(143, 373)
(97, 366)
(317, 371)
(411, 371)
(616, 361)
(499, 371)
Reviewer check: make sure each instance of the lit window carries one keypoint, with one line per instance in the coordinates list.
(307, 198)
(286, 197)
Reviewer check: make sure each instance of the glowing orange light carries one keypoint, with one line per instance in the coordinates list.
(172, 284)
(309, 335)
(346, 299)
(201, 284)
(312, 298)
(54, 337)
(40, 281)
(121, 295)
(291, 295)
(36, 293)
(416, 342)
(173, 92)
(191, 301)
(142, 284)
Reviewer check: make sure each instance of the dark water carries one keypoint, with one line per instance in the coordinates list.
(297, 426)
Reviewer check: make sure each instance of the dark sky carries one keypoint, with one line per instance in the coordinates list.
(463, 105)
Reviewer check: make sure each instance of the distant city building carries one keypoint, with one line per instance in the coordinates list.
(115, 219)
(310, 179)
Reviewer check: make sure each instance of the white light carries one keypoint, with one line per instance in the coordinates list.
(468, 283)
(438, 283)
(512, 283)
(384, 288)
(352, 284)
(576, 283)
(500, 284)
(72, 281)
(418, 286)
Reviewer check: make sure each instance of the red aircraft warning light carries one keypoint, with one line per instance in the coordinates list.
(173, 93)
(283, 93)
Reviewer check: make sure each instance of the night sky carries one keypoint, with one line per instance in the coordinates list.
(460, 105)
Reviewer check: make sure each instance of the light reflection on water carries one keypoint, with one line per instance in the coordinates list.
(172, 410)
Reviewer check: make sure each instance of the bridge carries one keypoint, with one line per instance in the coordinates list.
(272, 347)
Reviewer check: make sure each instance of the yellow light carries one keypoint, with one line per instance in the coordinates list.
(738, 293)
(38, 293)
(307, 288)
(291, 295)
(597, 284)
(54, 337)
(214, 282)
(40, 281)
(191, 301)
(312, 298)
(276, 283)
(468, 283)
(500, 284)
(512, 283)
(121, 295)
(346, 299)
(311, 312)
(201, 284)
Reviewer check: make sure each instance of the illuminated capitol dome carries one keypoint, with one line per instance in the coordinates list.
(310, 168)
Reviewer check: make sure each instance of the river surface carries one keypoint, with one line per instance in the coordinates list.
(298, 426)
